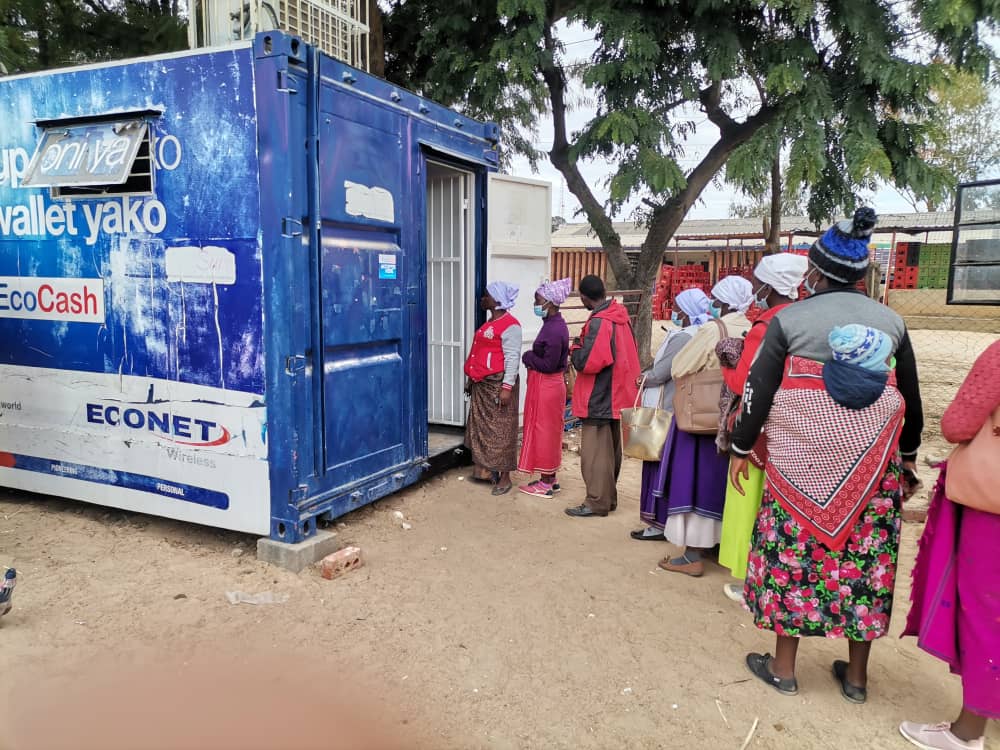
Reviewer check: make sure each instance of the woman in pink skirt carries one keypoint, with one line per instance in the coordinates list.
(956, 582)
(545, 402)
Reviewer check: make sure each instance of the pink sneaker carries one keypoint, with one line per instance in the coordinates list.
(538, 488)
(936, 737)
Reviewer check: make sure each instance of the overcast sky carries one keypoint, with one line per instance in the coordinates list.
(715, 201)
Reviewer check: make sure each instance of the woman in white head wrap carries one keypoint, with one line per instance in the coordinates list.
(690, 312)
(733, 294)
(685, 495)
(776, 283)
(492, 370)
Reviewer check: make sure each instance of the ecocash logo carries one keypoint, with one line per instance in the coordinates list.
(177, 428)
(36, 298)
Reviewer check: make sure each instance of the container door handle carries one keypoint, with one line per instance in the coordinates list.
(285, 83)
(291, 227)
(295, 364)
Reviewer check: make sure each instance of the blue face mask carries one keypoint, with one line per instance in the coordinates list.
(675, 318)
(539, 311)
(715, 311)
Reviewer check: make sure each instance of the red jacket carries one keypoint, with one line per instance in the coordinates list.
(607, 364)
(486, 356)
(736, 378)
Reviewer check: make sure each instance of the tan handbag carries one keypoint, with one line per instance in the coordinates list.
(696, 398)
(972, 479)
(645, 428)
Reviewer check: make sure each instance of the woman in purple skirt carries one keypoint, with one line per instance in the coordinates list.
(690, 468)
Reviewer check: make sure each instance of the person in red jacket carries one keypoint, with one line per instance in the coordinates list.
(607, 364)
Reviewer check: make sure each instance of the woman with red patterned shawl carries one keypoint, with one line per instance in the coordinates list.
(840, 438)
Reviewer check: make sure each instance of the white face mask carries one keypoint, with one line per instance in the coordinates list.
(761, 301)
(809, 285)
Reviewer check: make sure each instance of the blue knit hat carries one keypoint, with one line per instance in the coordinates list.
(841, 253)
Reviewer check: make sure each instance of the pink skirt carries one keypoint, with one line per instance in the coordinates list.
(544, 410)
(956, 597)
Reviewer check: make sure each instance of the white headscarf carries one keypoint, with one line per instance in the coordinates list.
(735, 291)
(504, 293)
(783, 272)
(694, 303)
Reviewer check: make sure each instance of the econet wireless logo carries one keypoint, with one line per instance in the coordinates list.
(177, 428)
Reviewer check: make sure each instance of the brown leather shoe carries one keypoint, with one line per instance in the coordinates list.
(694, 569)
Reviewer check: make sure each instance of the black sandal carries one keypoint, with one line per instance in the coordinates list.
(851, 693)
(498, 490)
(642, 536)
(760, 667)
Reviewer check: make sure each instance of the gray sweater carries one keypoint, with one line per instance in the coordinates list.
(802, 330)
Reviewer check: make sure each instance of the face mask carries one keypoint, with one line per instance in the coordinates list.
(715, 311)
(761, 302)
(539, 311)
(675, 318)
(809, 285)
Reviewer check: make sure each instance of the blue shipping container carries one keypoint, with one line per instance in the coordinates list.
(237, 285)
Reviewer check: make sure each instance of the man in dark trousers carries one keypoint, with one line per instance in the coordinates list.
(607, 365)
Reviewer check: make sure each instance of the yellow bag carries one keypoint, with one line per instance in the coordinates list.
(645, 429)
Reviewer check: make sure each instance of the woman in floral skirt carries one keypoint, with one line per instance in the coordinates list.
(842, 438)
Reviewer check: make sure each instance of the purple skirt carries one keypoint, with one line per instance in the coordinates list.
(691, 478)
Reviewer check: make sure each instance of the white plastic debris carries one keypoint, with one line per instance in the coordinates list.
(407, 526)
(398, 514)
(628, 691)
(264, 597)
(591, 615)
(675, 707)
(461, 479)
(444, 549)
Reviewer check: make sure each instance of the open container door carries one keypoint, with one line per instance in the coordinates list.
(519, 245)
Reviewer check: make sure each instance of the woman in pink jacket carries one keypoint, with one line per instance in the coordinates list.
(956, 583)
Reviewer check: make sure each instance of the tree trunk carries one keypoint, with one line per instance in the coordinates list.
(44, 50)
(668, 217)
(376, 40)
(773, 236)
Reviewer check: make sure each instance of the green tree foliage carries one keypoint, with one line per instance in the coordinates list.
(964, 139)
(847, 83)
(40, 34)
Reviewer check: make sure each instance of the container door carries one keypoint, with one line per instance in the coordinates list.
(519, 245)
(364, 345)
(449, 290)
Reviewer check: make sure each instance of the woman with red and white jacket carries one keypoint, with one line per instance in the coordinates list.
(492, 372)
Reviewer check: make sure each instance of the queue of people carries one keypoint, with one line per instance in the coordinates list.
(800, 487)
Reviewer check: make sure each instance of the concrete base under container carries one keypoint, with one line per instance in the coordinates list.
(298, 556)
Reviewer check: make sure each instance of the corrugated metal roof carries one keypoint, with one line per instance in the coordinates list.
(632, 235)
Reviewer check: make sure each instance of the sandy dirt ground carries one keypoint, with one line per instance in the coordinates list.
(491, 623)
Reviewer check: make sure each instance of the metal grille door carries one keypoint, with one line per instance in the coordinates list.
(448, 306)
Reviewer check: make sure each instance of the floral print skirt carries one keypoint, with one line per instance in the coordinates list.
(796, 586)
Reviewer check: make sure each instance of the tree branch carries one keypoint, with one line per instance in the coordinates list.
(97, 6)
(668, 217)
(598, 218)
(711, 101)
